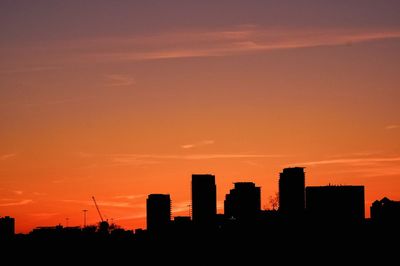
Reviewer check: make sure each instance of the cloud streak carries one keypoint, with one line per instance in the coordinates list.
(118, 80)
(197, 144)
(30, 69)
(16, 203)
(130, 197)
(139, 215)
(7, 156)
(118, 204)
(228, 42)
(129, 159)
(182, 206)
(44, 214)
(350, 161)
(151, 157)
(390, 127)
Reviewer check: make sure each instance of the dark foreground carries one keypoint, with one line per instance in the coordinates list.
(250, 246)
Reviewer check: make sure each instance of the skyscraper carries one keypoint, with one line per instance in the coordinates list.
(291, 191)
(158, 212)
(336, 203)
(204, 199)
(243, 202)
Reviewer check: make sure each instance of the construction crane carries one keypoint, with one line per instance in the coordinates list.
(103, 225)
(98, 210)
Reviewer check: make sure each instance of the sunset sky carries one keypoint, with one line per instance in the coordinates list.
(121, 99)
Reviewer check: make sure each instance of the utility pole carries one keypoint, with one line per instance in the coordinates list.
(84, 218)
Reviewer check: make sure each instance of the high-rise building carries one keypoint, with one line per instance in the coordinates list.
(7, 227)
(291, 191)
(336, 203)
(158, 212)
(243, 202)
(204, 199)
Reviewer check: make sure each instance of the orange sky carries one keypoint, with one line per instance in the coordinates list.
(120, 101)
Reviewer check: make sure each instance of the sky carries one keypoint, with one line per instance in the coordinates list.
(121, 99)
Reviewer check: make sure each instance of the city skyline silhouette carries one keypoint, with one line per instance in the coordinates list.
(325, 218)
(216, 121)
(334, 205)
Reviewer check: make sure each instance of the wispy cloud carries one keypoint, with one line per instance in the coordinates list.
(130, 197)
(350, 161)
(53, 102)
(44, 214)
(16, 203)
(227, 42)
(7, 156)
(382, 171)
(185, 207)
(61, 101)
(137, 161)
(252, 163)
(390, 127)
(133, 158)
(178, 207)
(225, 156)
(118, 80)
(119, 204)
(197, 144)
(29, 69)
(18, 192)
(149, 159)
(138, 215)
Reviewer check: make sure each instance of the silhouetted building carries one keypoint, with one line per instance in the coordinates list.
(291, 191)
(120, 233)
(385, 211)
(158, 212)
(182, 220)
(204, 199)
(269, 217)
(336, 203)
(182, 224)
(7, 227)
(243, 203)
(47, 232)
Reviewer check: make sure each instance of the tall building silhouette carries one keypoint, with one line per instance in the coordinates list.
(291, 191)
(158, 212)
(204, 199)
(336, 203)
(243, 202)
(385, 211)
(7, 227)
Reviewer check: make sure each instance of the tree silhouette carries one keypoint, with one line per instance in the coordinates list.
(274, 201)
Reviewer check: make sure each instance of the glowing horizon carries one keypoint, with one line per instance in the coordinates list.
(123, 100)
